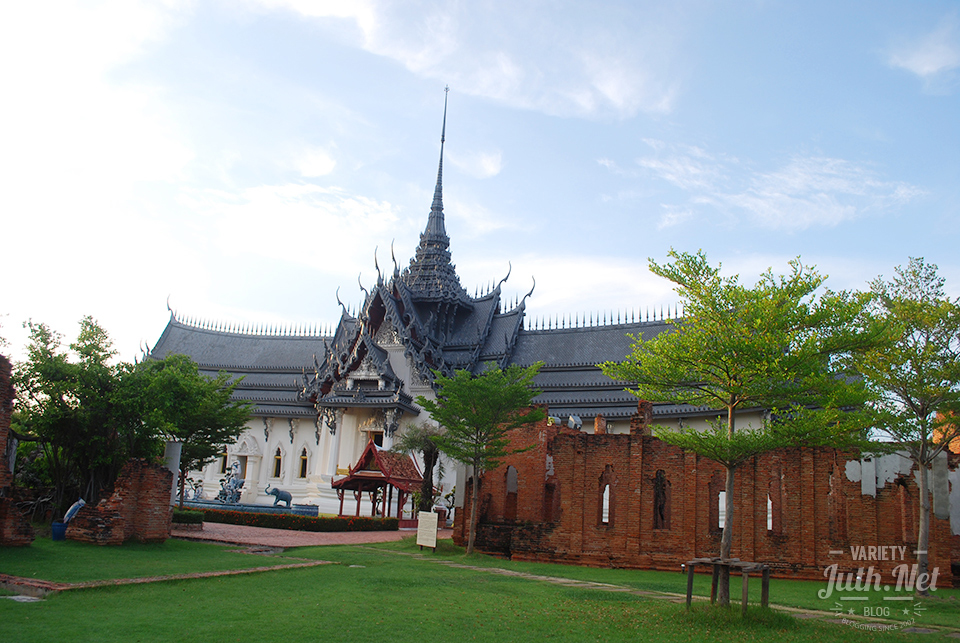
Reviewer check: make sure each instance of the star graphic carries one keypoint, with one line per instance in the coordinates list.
(906, 611)
(850, 612)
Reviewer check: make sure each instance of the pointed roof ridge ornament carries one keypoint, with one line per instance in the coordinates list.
(509, 270)
(531, 290)
(366, 294)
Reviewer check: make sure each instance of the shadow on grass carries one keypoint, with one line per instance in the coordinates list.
(757, 619)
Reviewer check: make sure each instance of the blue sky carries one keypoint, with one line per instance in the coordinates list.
(246, 159)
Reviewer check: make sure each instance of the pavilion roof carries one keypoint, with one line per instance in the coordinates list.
(378, 467)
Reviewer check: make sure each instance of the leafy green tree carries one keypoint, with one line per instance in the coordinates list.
(420, 439)
(476, 412)
(916, 380)
(68, 402)
(90, 415)
(776, 346)
(177, 400)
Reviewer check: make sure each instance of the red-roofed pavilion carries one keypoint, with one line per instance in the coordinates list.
(379, 472)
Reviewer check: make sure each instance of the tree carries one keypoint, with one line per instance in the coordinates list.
(91, 415)
(420, 438)
(916, 380)
(775, 346)
(476, 412)
(177, 400)
(70, 402)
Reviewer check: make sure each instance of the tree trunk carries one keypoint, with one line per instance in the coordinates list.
(426, 487)
(183, 476)
(474, 501)
(923, 532)
(726, 540)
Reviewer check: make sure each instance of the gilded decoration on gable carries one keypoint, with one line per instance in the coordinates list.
(387, 335)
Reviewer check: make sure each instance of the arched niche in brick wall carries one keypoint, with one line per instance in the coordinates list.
(510, 501)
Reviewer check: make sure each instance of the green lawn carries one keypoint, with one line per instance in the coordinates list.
(72, 562)
(942, 608)
(375, 593)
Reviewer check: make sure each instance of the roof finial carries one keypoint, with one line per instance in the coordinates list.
(435, 226)
(443, 131)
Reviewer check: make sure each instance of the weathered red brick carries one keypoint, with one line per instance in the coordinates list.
(815, 509)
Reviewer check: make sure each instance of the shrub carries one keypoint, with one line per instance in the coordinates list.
(301, 523)
(187, 517)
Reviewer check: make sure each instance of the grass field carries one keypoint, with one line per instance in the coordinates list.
(383, 592)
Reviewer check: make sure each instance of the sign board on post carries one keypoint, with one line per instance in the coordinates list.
(427, 530)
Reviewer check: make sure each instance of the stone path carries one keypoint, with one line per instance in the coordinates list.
(39, 588)
(243, 535)
(258, 540)
(828, 616)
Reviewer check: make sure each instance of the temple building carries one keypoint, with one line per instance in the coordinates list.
(321, 398)
(591, 485)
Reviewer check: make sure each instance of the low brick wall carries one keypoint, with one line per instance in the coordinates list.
(795, 507)
(15, 530)
(139, 508)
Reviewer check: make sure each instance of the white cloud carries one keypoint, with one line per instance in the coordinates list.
(80, 144)
(817, 191)
(572, 284)
(807, 191)
(673, 216)
(571, 60)
(688, 168)
(933, 54)
(479, 165)
(477, 219)
(285, 222)
(316, 162)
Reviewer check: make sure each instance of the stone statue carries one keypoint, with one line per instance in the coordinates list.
(196, 486)
(279, 496)
(231, 485)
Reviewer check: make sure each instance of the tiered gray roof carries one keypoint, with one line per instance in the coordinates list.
(271, 366)
(440, 327)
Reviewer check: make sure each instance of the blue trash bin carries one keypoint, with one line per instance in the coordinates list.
(59, 530)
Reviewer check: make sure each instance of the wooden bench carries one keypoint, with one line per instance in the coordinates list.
(745, 569)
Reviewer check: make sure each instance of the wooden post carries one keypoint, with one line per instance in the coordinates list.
(713, 584)
(690, 567)
(765, 588)
(746, 582)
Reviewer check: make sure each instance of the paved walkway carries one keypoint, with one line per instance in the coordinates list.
(242, 535)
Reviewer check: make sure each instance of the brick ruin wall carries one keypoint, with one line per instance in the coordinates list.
(138, 509)
(663, 507)
(15, 530)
